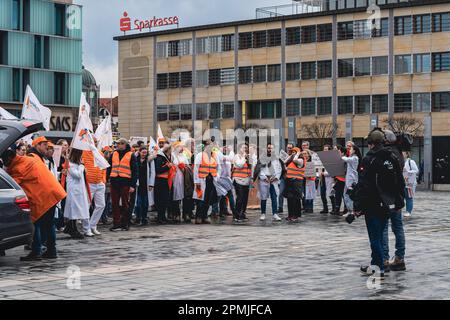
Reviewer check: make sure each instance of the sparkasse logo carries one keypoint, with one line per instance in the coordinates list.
(126, 25)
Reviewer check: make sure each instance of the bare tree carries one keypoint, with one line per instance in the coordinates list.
(405, 124)
(322, 132)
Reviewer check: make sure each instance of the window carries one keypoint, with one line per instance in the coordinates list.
(215, 44)
(292, 36)
(422, 63)
(403, 25)
(380, 103)
(271, 109)
(362, 67)
(60, 88)
(345, 68)
(403, 64)
(4, 185)
(16, 84)
(201, 111)
(173, 48)
(422, 23)
(422, 102)
(3, 47)
(259, 39)
(60, 20)
(162, 81)
(259, 74)
(274, 38)
(228, 110)
(324, 32)
(245, 75)
(214, 77)
(292, 71)
(345, 30)
(215, 111)
(324, 106)
(383, 30)
(308, 107)
(402, 103)
(162, 113)
(186, 79)
(362, 105)
(292, 107)
(245, 40)
(254, 110)
(324, 69)
(361, 30)
(37, 51)
(308, 70)
(227, 76)
(441, 61)
(174, 112)
(228, 42)
(16, 14)
(202, 78)
(441, 101)
(441, 22)
(273, 72)
(186, 112)
(185, 47)
(162, 50)
(380, 65)
(202, 45)
(345, 105)
(308, 34)
(174, 80)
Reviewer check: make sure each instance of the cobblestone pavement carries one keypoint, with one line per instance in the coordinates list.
(318, 258)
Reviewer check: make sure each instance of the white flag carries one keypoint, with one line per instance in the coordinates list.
(153, 144)
(160, 133)
(34, 110)
(85, 110)
(103, 134)
(5, 115)
(99, 159)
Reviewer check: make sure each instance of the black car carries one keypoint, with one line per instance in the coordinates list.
(15, 220)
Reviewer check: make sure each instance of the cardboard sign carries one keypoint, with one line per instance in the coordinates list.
(333, 163)
(135, 140)
(310, 170)
(57, 155)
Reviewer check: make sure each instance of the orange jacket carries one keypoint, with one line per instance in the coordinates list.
(38, 183)
(94, 175)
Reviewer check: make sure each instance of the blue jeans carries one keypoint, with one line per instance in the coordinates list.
(375, 226)
(397, 229)
(409, 202)
(280, 197)
(44, 231)
(142, 207)
(309, 204)
(273, 198)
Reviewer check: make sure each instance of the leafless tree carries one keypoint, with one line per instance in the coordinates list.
(322, 132)
(405, 124)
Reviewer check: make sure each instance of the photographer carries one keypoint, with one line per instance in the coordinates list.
(380, 190)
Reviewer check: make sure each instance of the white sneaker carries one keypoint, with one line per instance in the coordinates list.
(407, 215)
(276, 217)
(89, 234)
(263, 217)
(96, 232)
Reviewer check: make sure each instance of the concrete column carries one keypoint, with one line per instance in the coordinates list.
(334, 75)
(237, 106)
(155, 100)
(373, 121)
(283, 85)
(348, 128)
(194, 80)
(391, 65)
(428, 151)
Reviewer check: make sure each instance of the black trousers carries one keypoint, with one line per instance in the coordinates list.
(209, 199)
(188, 208)
(323, 195)
(339, 187)
(242, 193)
(294, 207)
(162, 197)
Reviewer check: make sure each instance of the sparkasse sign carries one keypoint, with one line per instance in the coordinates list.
(127, 25)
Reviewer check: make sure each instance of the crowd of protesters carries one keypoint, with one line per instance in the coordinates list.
(182, 182)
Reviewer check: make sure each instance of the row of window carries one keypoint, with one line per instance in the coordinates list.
(353, 67)
(360, 29)
(204, 111)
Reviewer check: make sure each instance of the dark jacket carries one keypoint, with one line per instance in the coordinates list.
(121, 181)
(161, 164)
(381, 184)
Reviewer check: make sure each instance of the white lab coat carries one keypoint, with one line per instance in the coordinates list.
(311, 191)
(264, 187)
(178, 181)
(202, 182)
(410, 172)
(225, 183)
(77, 201)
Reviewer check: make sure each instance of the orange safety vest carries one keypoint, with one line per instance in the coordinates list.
(121, 168)
(294, 172)
(207, 167)
(245, 172)
(94, 174)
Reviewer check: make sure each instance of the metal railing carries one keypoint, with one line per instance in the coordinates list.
(297, 7)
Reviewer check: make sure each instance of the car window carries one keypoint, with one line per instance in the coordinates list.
(4, 185)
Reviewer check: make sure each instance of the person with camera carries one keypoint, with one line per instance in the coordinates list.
(353, 160)
(380, 190)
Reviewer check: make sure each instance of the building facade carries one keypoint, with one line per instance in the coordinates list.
(41, 45)
(290, 72)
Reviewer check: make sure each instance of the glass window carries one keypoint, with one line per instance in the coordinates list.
(174, 80)
(441, 61)
(259, 74)
(201, 111)
(441, 101)
(422, 102)
(308, 34)
(324, 32)
(245, 40)
(403, 25)
(16, 14)
(324, 106)
(274, 38)
(60, 19)
(214, 77)
(292, 71)
(441, 22)
(362, 105)
(174, 112)
(162, 81)
(422, 63)
(362, 67)
(228, 42)
(16, 84)
(382, 30)
(174, 48)
(259, 39)
(345, 30)
(186, 79)
(162, 50)
(215, 44)
(60, 88)
(380, 65)
(345, 68)
(403, 64)
(37, 51)
(186, 112)
(227, 76)
(254, 110)
(292, 36)
(202, 78)
(273, 72)
(268, 109)
(228, 110)
(245, 75)
(308, 70)
(215, 111)
(162, 113)
(361, 30)
(308, 107)
(292, 107)
(185, 47)
(380, 103)
(422, 23)
(324, 69)
(402, 103)
(202, 45)
(345, 105)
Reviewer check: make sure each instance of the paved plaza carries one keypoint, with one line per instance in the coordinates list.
(318, 258)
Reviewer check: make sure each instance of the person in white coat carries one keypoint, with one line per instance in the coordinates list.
(326, 187)
(225, 182)
(269, 176)
(180, 161)
(353, 160)
(77, 201)
(410, 173)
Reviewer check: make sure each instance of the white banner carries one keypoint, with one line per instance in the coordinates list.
(135, 140)
(57, 155)
(153, 144)
(85, 110)
(103, 134)
(34, 110)
(5, 115)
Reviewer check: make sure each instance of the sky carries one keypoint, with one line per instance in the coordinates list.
(101, 24)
